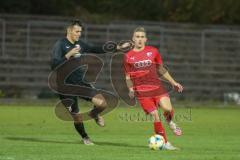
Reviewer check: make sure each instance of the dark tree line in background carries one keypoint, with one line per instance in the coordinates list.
(98, 11)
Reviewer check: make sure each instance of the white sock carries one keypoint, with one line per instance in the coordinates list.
(172, 125)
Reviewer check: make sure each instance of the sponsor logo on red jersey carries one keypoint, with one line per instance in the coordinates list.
(143, 64)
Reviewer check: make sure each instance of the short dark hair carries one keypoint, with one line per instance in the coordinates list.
(75, 22)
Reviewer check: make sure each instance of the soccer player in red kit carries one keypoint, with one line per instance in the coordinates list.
(143, 65)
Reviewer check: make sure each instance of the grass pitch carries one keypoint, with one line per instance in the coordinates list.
(35, 133)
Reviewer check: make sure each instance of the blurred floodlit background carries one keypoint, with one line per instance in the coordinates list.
(198, 39)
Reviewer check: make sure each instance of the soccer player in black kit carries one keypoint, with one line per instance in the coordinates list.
(65, 49)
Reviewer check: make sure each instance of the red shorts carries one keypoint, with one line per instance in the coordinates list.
(150, 104)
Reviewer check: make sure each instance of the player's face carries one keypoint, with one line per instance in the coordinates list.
(139, 39)
(75, 33)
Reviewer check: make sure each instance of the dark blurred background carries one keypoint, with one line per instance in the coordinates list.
(198, 39)
(194, 11)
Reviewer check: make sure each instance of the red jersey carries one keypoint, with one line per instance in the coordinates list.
(142, 67)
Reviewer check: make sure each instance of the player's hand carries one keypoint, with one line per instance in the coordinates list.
(72, 52)
(131, 94)
(178, 87)
(125, 45)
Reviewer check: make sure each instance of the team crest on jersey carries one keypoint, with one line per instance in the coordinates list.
(149, 54)
(132, 58)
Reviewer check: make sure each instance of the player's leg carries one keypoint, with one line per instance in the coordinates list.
(98, 101)
(99, 105)
(168, 113)
(159, 129)
(78, 123)
(149, 106)
(79, 126)
(158, 126)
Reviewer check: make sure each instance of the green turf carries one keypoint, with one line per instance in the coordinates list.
(34, 133)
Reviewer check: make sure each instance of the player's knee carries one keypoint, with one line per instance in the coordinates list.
(167, 109)
(99, 101)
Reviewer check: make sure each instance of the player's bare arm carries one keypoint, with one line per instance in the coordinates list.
(130, 87)
(162, 71)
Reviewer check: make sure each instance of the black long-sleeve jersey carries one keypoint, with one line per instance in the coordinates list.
(62, 47)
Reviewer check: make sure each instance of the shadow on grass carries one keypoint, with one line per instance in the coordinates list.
(118, 144)
(30, 139)
(39, 140)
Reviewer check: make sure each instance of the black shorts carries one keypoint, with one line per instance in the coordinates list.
(74, 109)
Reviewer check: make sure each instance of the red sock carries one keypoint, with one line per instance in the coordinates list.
(159, 129)
(168, 115)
